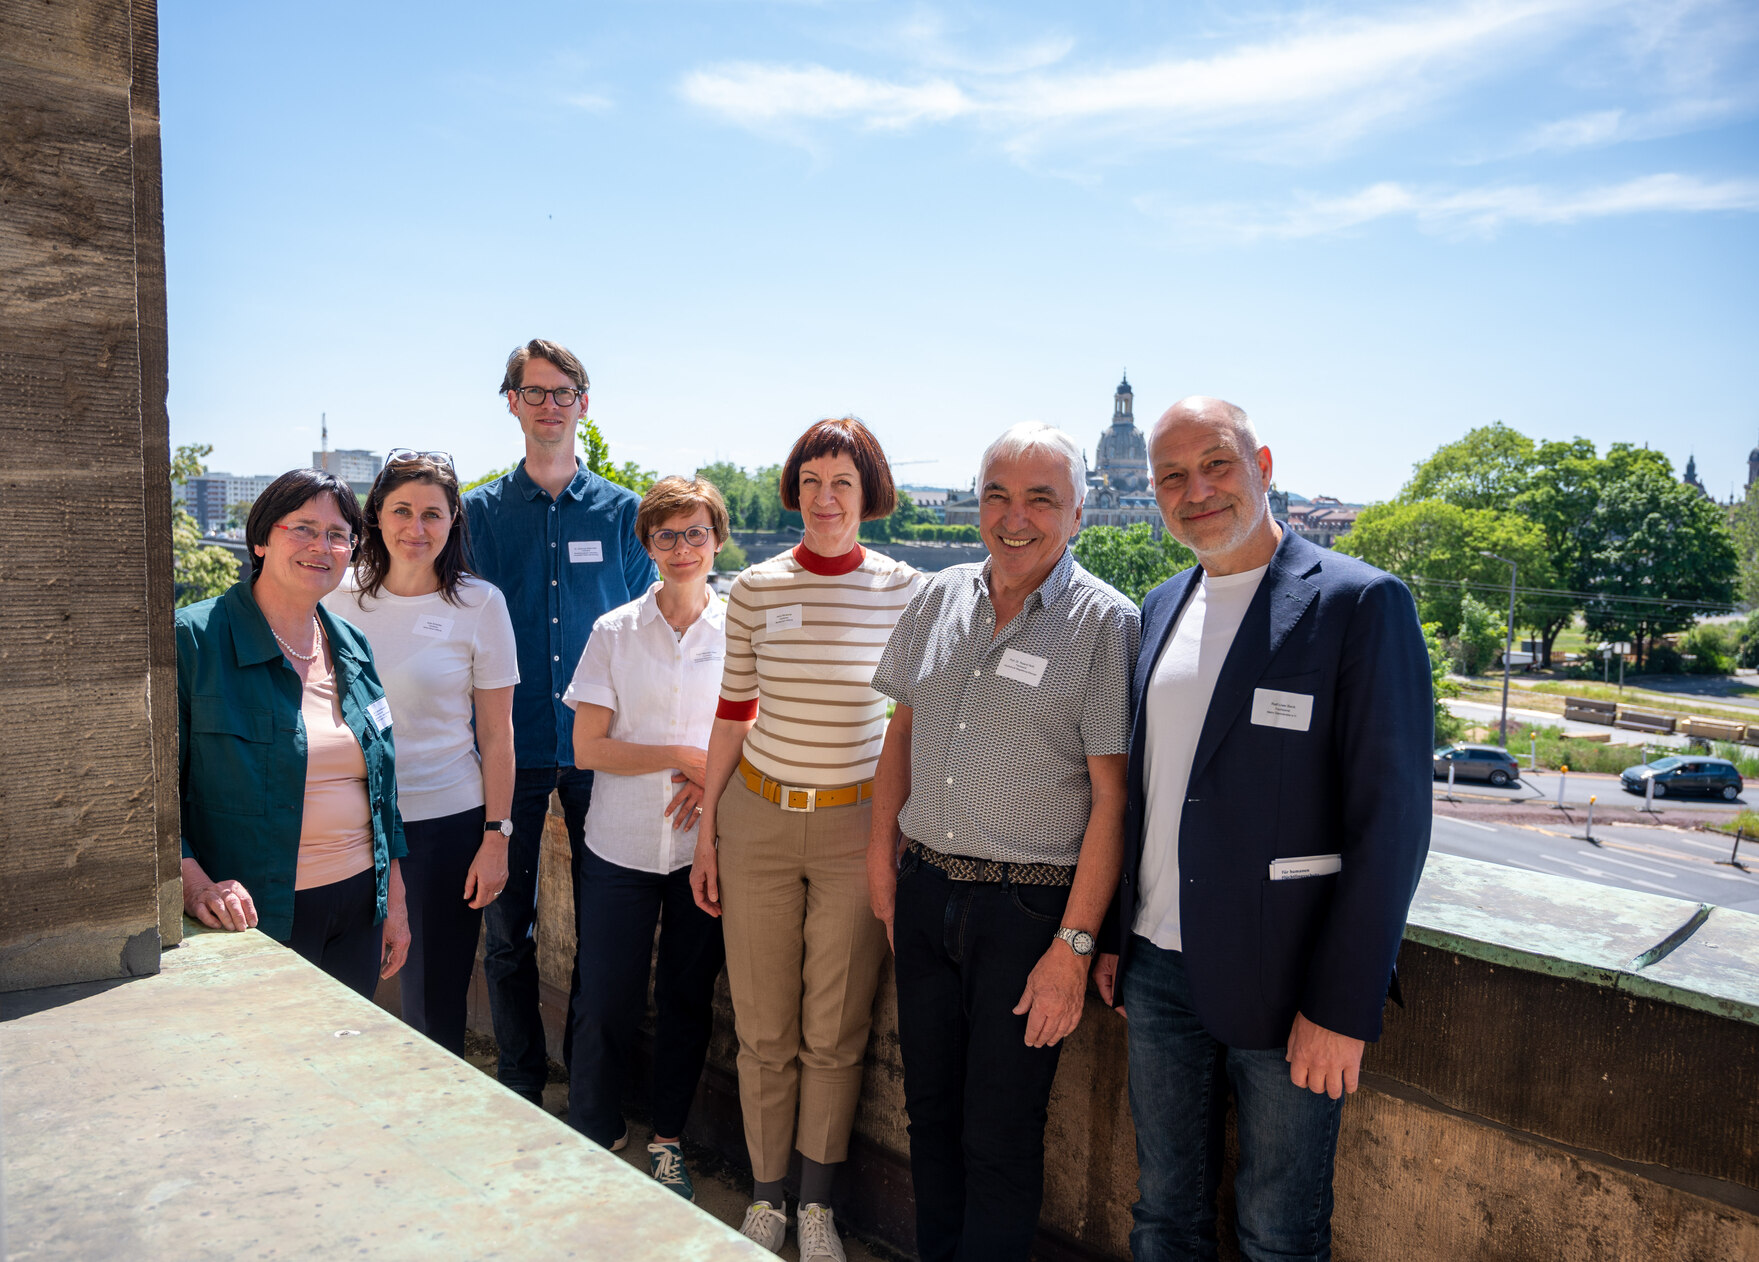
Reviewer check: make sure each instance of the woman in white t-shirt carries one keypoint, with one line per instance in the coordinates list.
(444, 647)
(643, 698)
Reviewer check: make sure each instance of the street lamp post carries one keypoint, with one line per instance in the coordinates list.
(1508, 644)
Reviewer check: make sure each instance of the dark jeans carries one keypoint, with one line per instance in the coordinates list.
(443, 928)
(1179, 1083)
(975, 1093)
(333, 928)
(619, 908)
(510, 953)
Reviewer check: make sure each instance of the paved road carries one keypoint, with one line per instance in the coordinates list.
(1655, 860)
(1579, 787)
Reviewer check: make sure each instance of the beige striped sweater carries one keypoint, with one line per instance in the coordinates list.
(801, 650)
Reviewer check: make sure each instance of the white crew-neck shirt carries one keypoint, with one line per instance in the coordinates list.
(1175, 706)
(432, 656)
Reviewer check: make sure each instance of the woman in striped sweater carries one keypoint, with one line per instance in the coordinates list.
(786, 813)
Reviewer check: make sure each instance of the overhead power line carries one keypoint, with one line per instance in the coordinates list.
(1708, 606)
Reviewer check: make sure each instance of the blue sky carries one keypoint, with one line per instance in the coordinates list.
(1371, 226)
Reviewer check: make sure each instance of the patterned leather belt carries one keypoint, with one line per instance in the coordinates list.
(959, 867)
(790, 798)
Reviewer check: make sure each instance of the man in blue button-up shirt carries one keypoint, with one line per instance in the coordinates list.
(559, 541)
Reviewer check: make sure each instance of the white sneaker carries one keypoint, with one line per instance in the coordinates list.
(767, 1225)
(621, 1142)
(819, 1241)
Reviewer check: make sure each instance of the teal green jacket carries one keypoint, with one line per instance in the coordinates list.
(241, 750)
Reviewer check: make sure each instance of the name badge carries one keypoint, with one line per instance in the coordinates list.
(585, 550)
(1291, 710)
(1305, 865)
(710, 655)
(787, 618)
(434, 627)
(380, 713)
(1022, 666)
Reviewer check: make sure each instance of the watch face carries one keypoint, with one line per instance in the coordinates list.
(1084, 944)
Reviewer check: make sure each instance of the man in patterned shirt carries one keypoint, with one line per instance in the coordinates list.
(997, 839)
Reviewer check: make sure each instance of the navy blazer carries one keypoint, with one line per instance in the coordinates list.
(1356, 784)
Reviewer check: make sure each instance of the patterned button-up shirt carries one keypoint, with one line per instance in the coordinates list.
(1002, 725)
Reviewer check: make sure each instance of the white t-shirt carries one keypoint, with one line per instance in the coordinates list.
(432, 657)
(663, 691)
(1175, 706)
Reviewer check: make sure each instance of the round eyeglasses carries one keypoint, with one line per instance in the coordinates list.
(666, 540)
(305, 536)
(563, 395)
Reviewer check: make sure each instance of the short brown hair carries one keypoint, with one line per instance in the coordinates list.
(843, 436)
(292, 490)
(538, 348)
(675, 496)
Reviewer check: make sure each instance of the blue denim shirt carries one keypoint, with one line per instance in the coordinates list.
(560, 563)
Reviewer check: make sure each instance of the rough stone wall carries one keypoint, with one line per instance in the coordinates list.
(86, 663)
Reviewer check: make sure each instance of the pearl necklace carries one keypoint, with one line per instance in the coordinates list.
(317, 642)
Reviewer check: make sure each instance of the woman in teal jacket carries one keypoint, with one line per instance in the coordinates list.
(286, 761)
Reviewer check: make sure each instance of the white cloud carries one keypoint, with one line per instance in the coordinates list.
(1461, 212)
(758, 96)
(593, 102)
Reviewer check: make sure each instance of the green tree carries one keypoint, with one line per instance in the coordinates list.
(198, 571)
(1482, 634)
(1488, 468)
(490, 476)
(1661, 552)
(731, 557)
(598, 459)
(1448, 726)
(1438, 548)
(1744, 522)
(1560, 499)
(901, 524)
(1130, 558)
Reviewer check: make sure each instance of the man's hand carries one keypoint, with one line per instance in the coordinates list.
(1053, 997)
(1322, 1061)
(1105, 979)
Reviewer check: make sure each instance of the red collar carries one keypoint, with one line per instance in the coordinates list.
(813, 563)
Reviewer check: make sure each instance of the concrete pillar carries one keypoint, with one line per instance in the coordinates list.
(88, 743)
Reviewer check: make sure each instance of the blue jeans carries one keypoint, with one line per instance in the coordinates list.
(976, 1095)
(1180, 1078)
(510, 952)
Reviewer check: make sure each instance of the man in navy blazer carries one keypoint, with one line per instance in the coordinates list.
(1277, 822)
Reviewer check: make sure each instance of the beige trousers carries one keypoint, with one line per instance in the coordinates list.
(804, 952)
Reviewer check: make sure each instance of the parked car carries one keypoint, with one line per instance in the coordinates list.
(1691, 774)
(1477, 762)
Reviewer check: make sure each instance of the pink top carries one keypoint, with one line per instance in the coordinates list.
(336, 831)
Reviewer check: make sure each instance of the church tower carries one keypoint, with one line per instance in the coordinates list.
(1123, 453)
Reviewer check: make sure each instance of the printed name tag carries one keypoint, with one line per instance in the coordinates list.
(585, 550)
(1293, 710)
(1306, 865)
(787, 618)
(380, 713)
(709, 655)
(1022, 666)
(438, 628)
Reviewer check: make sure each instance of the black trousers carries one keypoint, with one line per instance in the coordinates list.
(619, 909)
(510, 952)
(443, 929)
(334, 928)
(976, 1094)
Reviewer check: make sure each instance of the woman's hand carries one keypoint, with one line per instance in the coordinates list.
(693, 762)
(687, 805)
(219, 904)
(396, 935)
(705, 869)
(488, 872)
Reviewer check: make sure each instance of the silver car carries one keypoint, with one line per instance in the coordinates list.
(1490, 763)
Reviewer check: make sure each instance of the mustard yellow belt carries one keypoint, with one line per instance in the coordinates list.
(792, 798)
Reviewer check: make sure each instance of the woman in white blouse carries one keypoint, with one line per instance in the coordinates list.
(644, 700)
(444, 646)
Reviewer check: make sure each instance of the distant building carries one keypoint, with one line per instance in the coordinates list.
(355, 467)
(931, 500)
(1118, 492)
(1323, 520)
(1691, 478)
(211, 497)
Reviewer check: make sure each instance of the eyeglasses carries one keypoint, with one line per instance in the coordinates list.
(666, 540)
(305, 536)
(403, 455)
(563, 395)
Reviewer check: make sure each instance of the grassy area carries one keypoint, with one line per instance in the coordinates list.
(1557, 750)
(1743, 822)
(1646, 699)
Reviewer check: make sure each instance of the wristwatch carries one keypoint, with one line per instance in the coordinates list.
(1079, 940)
(502, 826)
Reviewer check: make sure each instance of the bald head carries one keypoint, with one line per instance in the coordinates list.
(1210, 474)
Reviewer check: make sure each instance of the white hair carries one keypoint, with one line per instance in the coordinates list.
(1030, 436)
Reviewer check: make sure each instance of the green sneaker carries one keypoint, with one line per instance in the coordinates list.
(665, 1162)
